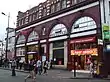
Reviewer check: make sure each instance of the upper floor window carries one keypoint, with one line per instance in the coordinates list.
(19, 23)
(44, 12)
(63, 5)
(74, 2)
(43, 31)
(57, 6)
(22, 22)
(34, 16)
(37, 15)
(30, 18)
(52, 8)
(26, 19)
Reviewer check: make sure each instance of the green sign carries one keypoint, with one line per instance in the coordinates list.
(106, 35)
(105, 27)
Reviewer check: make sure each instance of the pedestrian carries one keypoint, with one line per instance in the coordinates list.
(39, 67)
(45, 67)
(21, 64)
(13, 67)
(32, 74)
(91, 69)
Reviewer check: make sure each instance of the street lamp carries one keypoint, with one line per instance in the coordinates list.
(7, 32)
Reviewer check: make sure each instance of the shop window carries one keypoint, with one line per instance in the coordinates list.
(63, 5)
(57, 6)
(58, 56)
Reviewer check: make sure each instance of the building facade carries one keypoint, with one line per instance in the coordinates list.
(105, 17)
(64, 31)
(1, 48)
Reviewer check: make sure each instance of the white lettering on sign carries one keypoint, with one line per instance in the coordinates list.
(58, 30)
(83, 24)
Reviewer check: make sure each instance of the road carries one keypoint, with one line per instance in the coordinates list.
(53, 76)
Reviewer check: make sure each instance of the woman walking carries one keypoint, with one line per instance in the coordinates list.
(32, 73)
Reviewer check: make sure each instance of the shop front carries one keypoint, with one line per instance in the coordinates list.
(20, 53)
(32, 52)
(83, 52)
(58, 46)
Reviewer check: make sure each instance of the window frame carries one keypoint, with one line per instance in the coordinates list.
(63, 6)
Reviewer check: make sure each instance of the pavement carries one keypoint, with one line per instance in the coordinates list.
(52, 76)
(64, 74)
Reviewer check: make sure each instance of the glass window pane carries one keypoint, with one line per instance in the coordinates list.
(63, 4)
(58, 6)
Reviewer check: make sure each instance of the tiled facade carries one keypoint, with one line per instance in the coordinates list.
(59, 27)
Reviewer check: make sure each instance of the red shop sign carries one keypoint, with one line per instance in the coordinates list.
(83, 40)
(85, 52)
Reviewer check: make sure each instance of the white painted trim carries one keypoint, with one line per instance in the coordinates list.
(21, 45)
(42, 41)
(31, 43)
(83, 33)
(58, 38)
(61, 15)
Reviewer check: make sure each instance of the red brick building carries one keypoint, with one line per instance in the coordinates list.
(61, 30)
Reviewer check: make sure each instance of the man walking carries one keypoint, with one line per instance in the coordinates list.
(39, 67)
(13, 67)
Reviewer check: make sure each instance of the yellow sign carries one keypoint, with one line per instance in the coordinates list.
(85, 52)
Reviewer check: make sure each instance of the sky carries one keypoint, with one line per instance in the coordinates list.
(12, 7)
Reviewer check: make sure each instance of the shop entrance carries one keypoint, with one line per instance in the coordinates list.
(58, 56)
(58, 53)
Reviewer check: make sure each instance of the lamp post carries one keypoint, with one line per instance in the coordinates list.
(7, 32)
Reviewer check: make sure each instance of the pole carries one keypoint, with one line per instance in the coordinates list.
(7, 35)
(74, 63)
(74, 67)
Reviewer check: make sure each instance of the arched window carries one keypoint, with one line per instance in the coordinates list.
(59, 29)
(33, 36)
(21, 39)
(82, 24)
